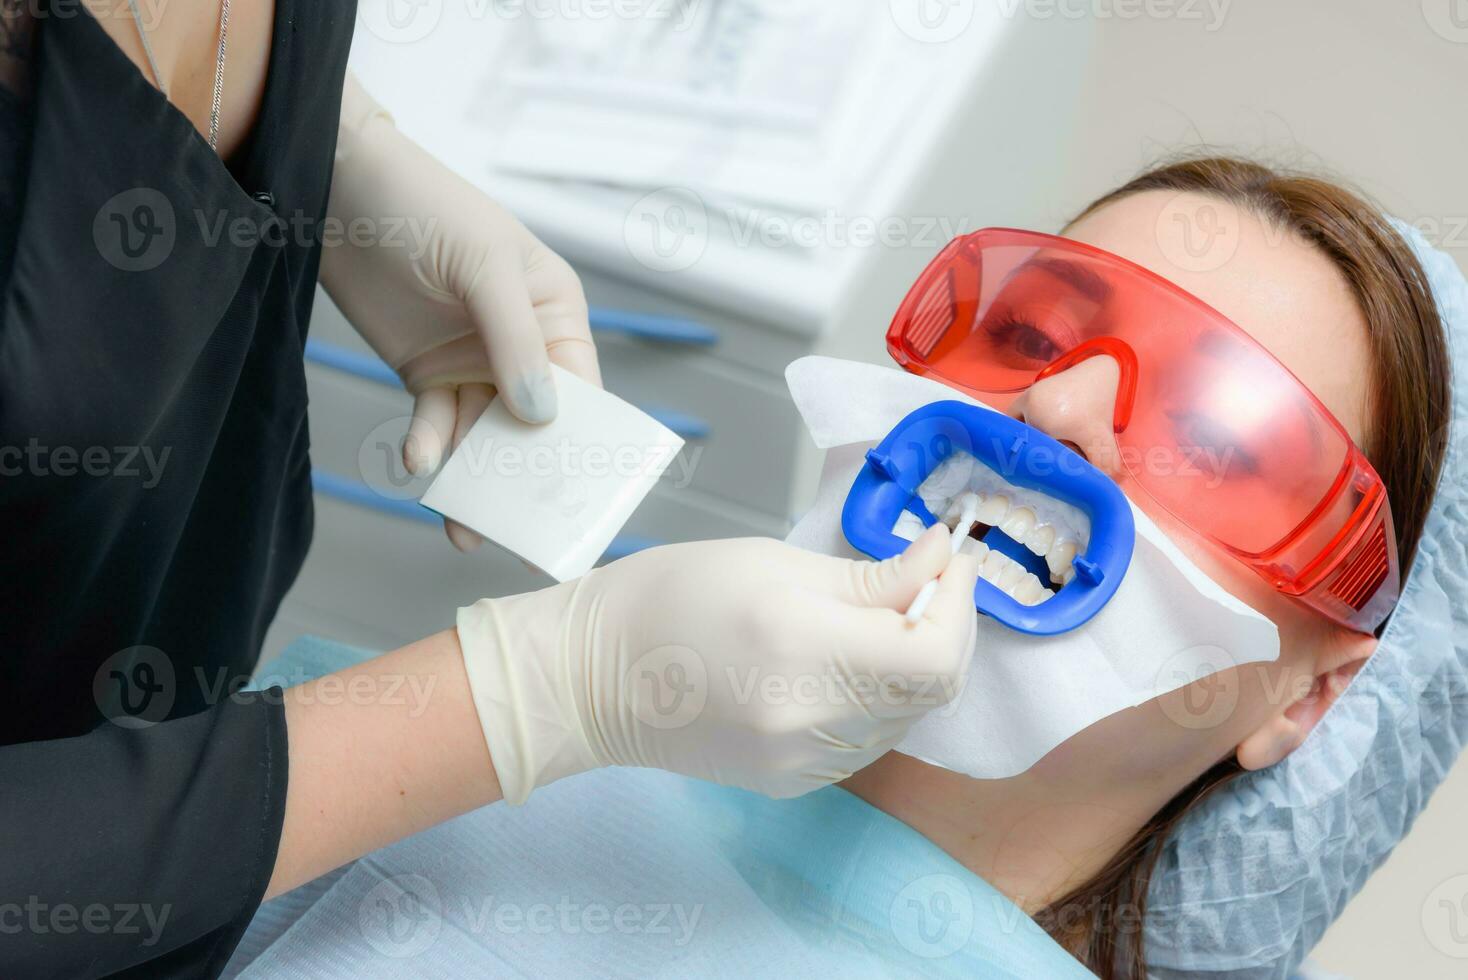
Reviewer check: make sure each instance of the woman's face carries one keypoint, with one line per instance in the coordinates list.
(1294, 302)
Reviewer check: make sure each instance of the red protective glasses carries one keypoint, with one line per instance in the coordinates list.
(1207, 422)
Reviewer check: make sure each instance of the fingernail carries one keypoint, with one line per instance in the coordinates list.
(965, 564)
(537, 397)
(937, 530)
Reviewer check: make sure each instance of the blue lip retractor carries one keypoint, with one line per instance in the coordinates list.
(1025, 457)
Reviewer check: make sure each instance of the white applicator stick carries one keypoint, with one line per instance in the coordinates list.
(965, 523)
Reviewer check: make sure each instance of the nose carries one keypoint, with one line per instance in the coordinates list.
(1077, 407)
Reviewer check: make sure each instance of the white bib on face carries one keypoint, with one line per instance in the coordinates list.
(1168, 625)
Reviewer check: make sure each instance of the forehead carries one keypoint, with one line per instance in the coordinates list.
(1275, 285)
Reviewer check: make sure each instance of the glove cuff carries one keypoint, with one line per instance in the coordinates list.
(359, 113)
(524, 697)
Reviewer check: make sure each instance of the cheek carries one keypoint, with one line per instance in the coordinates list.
(1299, 627)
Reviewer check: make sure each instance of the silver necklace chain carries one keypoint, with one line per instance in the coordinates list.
(218, 66)
(219, 75)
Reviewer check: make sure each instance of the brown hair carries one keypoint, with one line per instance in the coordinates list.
(1100, 922)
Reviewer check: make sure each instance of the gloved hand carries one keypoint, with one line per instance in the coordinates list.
(749, 663)
(454, 293)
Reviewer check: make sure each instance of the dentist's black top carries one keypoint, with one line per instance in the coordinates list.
(154, 488)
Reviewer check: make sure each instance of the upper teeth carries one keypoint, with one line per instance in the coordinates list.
(1059, 559)
(1019, 522)
(1040, 540)
(994, 509)
(1052, 529)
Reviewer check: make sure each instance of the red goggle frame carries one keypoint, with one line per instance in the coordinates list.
(1285, 491)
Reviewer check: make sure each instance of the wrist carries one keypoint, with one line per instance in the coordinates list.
(522, 680)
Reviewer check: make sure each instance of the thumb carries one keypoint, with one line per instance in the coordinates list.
(894, 583)
(499, 304)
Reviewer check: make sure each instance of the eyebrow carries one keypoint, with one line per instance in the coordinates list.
(1083, 280)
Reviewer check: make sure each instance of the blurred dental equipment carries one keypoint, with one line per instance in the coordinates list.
(555, 494)
(759, 103)
(1168, 624)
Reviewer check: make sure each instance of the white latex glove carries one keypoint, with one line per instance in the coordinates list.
(749, 663)
(454, 293)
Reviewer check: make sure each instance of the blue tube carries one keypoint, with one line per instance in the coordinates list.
(359, 494)
(369, 367)
(646, 326)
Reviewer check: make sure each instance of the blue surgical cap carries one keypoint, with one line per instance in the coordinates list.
(1250, 881)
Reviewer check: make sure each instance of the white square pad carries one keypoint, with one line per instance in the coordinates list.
(555, 494)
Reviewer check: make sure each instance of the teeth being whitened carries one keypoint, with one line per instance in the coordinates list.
(975, 547)
(1030, 591)
(1040, 539)
(1059, 559)
(1013, 574)
(1052, 529)
(955, 510)
(1020, 522)
(994, 509)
